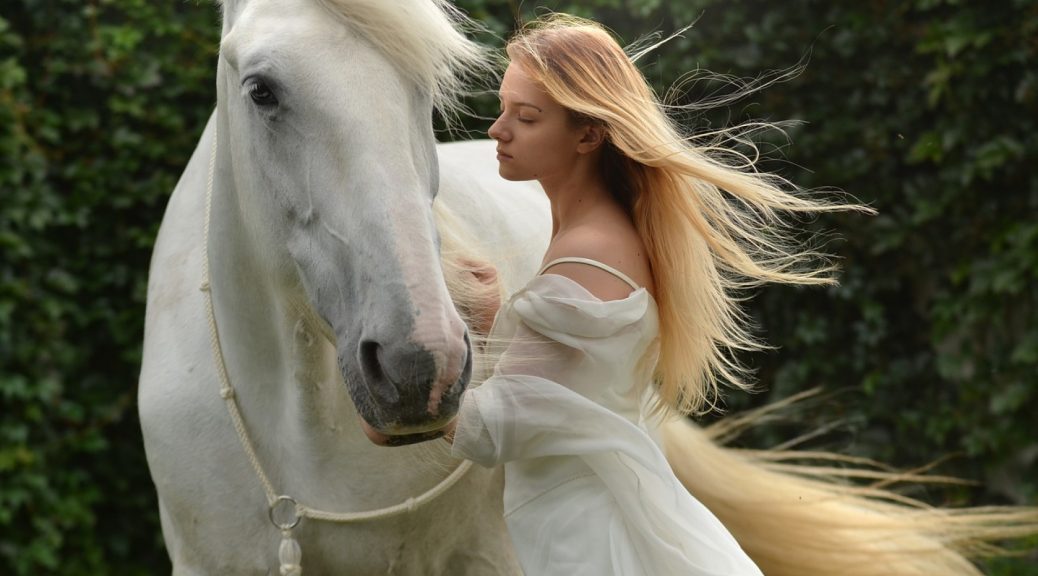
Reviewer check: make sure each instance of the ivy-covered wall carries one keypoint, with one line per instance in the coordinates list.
(925, 109)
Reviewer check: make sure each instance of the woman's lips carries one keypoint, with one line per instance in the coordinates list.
(501, 156)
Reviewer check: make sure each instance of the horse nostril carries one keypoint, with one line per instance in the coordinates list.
(374, 373)
(369, 360)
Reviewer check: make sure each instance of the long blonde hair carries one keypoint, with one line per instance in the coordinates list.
(713, 225)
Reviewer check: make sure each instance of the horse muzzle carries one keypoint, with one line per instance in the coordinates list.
(408, 393)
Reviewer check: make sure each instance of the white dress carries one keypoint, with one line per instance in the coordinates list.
(587, 491)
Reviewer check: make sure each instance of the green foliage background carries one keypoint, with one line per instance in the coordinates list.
(926, 109)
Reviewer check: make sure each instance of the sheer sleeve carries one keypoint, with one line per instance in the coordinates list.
(525, 410)
(533, 404)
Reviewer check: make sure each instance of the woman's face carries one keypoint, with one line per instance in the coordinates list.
(536, 139)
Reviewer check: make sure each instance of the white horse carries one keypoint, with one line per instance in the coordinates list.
(305, 223)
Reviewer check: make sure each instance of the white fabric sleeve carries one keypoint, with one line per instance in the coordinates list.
(521, 409)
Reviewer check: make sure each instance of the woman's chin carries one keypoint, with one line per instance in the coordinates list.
(508, 174)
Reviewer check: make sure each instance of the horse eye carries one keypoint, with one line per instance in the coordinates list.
(262, 95)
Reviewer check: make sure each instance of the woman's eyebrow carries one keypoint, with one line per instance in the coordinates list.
(520, 103)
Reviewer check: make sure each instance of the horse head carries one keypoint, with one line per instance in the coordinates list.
(328, 108)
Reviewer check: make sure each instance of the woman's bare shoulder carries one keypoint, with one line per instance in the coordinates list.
(613, 246)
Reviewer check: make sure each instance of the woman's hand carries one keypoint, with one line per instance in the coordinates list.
(483, 308)
(448, 431)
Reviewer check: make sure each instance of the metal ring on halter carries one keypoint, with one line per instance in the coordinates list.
(296, 517)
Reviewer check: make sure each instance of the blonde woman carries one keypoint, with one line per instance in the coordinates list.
(633, 279)
(633, 316)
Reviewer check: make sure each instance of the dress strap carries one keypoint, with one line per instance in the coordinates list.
(590, 262)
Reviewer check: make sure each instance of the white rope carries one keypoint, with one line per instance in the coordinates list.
(227, 393)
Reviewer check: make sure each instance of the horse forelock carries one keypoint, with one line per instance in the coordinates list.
(426, 41)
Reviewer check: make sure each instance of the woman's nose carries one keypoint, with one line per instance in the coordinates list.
(497, 132)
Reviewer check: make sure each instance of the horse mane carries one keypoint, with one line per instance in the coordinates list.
(426, 40)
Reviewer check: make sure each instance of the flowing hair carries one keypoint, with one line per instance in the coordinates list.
(712, 224)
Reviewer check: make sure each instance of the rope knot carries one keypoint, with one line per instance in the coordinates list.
(412, 505)
(205, 286)
(226, 392)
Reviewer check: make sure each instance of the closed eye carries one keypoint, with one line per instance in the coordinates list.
(501, 111)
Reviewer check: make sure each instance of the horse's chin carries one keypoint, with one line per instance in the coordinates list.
(381, 439)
